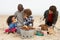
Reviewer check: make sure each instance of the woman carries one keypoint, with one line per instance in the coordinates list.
(51, 16)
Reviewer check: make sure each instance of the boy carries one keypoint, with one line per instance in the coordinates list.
(19, 17)
(28, 19)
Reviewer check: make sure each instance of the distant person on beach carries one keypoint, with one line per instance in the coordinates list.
(28, 18)
(51, 16)
(11, 21)
(19, 17)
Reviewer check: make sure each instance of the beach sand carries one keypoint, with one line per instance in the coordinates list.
(37, 22)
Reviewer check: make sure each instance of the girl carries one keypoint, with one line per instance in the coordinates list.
(11, 21)
(28, 19)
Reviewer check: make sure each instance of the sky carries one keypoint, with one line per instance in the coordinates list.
(38, 7)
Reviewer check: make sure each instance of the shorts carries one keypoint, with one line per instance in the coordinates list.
(49, 23)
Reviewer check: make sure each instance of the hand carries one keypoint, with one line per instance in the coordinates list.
(15, 21)
(32, 21)
(25, 26)
(53, 25)
(43, 18)
(25, 17)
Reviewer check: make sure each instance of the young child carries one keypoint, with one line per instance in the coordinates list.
(19, 17)
(11, 21)
(28, 19)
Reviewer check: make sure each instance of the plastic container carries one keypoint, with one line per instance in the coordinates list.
(27, 33)
(45, 33)
(39, 33)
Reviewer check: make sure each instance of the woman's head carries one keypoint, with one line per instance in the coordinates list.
(20, 7)
(11, 19)
(27, 12)
(52, 9)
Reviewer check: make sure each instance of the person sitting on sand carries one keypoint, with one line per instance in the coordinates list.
(19, 17)
(28, 19)
(11, 21)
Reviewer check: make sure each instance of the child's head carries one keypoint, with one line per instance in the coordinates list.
(11, 19)
(27, 12)
(20, 7)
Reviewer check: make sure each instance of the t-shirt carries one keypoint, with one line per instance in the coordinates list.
(50, 17)
(19, 16)
(28, 20)
(12, 25)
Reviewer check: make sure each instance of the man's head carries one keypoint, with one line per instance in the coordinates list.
(20, 7)
(52, 9)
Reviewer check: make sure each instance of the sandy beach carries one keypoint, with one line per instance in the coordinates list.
(37, 22)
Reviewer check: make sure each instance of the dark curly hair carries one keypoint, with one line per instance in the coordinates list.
(9, 19)
(53, 8)
(20, 7)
